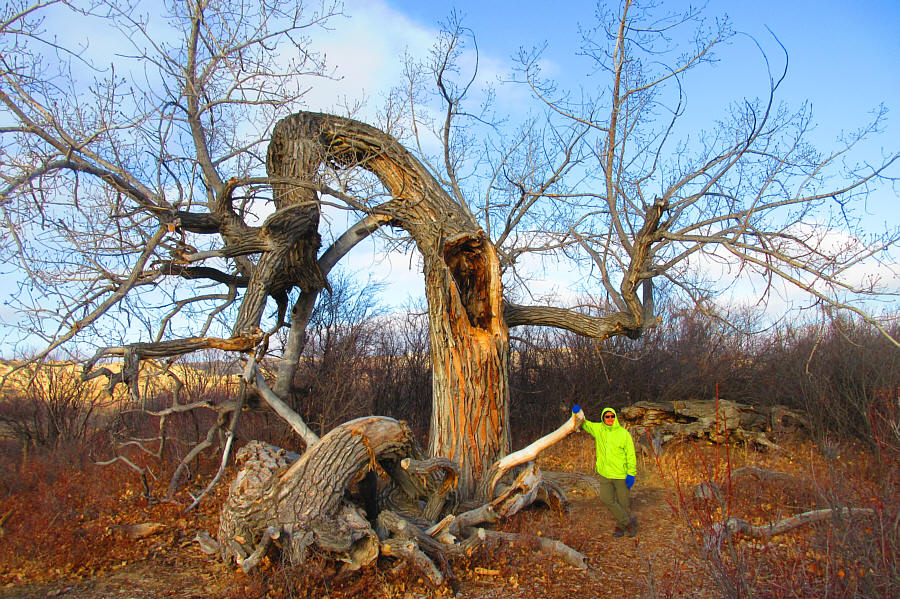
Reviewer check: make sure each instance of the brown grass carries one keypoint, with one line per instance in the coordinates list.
(66, 532)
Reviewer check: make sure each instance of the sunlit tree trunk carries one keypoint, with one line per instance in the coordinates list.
(470, 351)
(469, 340)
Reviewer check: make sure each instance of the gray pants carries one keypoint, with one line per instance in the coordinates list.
(614, 495)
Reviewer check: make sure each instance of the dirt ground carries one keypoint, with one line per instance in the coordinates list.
(660, 561)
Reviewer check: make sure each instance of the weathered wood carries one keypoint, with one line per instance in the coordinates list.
(3, 520)
(570, 481)
(440, 531)
(716, 421)
(410, 552)
(521, 493)
(403, 529)
(305, 500)
(716, 534)
(208, 545)
(483, 514)
(469, 341)
(549, 546)
(142, 530)
(438, 473)
(530, 452)
(251, 561)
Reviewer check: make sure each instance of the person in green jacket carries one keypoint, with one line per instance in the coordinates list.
(616, 466)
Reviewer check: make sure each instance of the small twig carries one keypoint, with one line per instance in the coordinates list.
(142, 471)
(226, 453)
(3, 520)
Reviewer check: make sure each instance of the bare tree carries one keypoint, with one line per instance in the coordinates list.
(140, 199)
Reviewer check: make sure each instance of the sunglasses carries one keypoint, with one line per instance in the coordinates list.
(609, 416)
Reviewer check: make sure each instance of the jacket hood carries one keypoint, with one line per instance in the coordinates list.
(615, 422)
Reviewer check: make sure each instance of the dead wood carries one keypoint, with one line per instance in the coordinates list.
(410, 553)
(571, 481)
(144, 529)
(297, 504)
(306, 500)
(530, 452)
(208, 545)
(716, 535)
(715, 421)
(436, 473)
(3, 520)
(550, 546)
(736, 525)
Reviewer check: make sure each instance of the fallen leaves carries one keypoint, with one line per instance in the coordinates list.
(89, 541)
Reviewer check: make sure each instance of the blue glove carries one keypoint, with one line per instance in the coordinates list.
(629, 481)
(576, 408)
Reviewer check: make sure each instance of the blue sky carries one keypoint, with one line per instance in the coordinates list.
(843, 55)
(843, 59)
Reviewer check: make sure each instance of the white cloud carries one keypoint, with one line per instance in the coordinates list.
(366, 50)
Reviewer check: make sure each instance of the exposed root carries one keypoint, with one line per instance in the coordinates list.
(300, 504)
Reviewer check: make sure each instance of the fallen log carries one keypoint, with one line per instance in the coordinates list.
(305, 500)
(551, 546)
(719, 421)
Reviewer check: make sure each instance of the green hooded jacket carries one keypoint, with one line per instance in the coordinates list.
(615, 447)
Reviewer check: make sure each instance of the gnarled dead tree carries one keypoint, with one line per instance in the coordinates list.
(163, 219)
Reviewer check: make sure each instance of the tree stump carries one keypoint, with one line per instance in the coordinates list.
(364, 490)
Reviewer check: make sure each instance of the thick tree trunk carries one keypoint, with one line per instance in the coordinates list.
(304, 503)
(362, 491)
(470, 352)
(469, 340)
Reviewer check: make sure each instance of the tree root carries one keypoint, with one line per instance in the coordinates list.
(310, 502)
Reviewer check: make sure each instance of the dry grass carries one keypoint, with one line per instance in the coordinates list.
(68, 517)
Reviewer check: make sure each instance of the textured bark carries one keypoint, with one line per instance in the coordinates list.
(313, 501)
(706, 419)
(469, 340)
(470, 349)
(291, 234)
(305, 500)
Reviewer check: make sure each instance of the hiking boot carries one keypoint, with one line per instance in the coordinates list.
(631, 529)
(619, 532)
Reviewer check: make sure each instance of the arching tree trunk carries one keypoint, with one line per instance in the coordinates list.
(469, 340)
